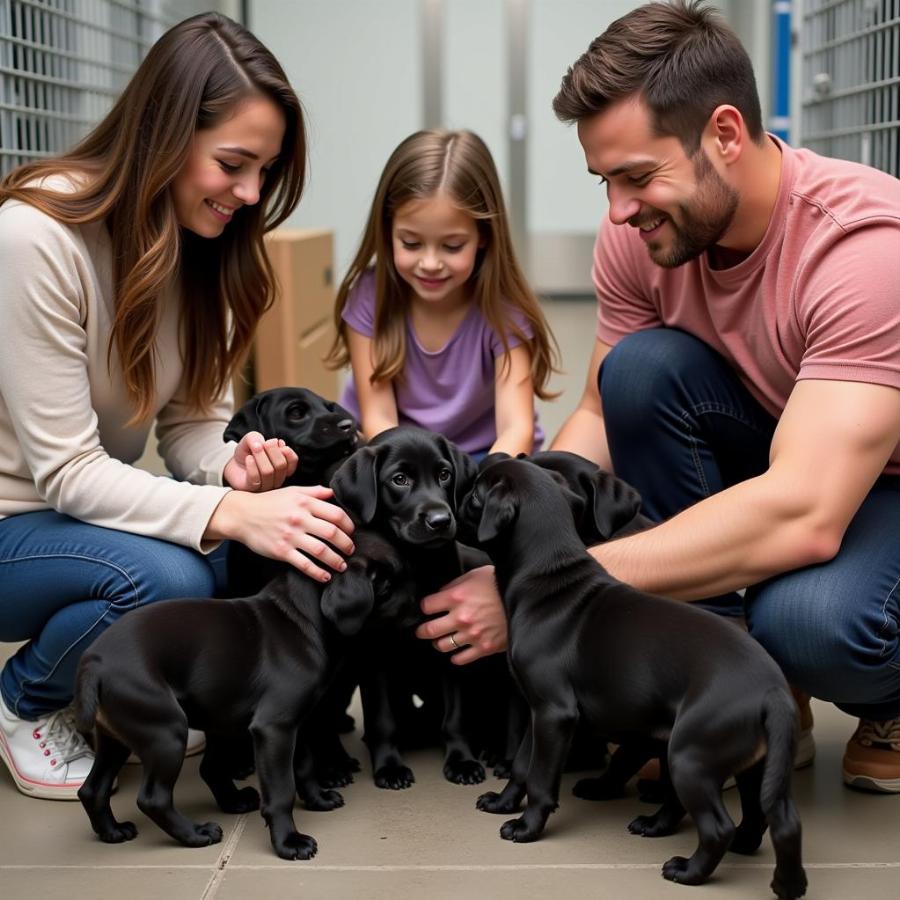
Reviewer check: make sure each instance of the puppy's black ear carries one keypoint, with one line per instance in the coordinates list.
(347, 602)
(616, 503)
(499, 512)
(355, 483)
(464, 469)
(248, 418)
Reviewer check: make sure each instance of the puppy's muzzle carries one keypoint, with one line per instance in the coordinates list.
(438, 520)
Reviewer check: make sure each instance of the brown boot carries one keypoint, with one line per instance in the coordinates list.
(872, 757)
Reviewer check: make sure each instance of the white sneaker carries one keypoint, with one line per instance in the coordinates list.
(47, 758)
(196, 743)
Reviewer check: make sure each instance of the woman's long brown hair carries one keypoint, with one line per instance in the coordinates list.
(460, 164)
(192, 78)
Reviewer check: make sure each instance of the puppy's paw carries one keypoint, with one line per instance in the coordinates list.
(789, 886)
(335, 779)
(494, 802)
(674, 867)
(123, 831)
(204, 835)
(296, 846)
(245, 800)
(598, 789)
(518, 831)
(338, 774)
(651, 826)
(464, 771)
(323, 801)
(394, 777)
(678, 869)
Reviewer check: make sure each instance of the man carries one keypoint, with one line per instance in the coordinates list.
(746, 372)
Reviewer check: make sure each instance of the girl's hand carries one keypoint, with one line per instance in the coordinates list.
(259, 465)
(281, 523)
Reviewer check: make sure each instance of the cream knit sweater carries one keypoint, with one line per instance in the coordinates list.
(64, 443)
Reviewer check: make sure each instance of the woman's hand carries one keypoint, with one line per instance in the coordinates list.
(475, 617)
(258, 464)
(279, 524)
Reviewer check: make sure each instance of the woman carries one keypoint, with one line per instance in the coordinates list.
(134, 276)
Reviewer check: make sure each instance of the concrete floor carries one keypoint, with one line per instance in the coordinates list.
(430, 840)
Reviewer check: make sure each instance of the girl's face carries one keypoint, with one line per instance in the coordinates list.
(226, 167)
(435, 245)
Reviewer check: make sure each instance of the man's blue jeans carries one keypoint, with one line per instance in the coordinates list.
(62, 582)
(681, 426)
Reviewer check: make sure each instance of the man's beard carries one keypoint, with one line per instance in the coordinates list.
(704, 218)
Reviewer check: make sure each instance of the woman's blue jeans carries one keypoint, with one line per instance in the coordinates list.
(62, 582)
(681, 426)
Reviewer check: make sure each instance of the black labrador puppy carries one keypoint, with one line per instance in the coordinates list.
(322, 434)
(408, 482)
(647, 671)
(227, 666)
(594, 495)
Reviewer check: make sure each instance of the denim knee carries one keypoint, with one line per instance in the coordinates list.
(834, 649)
(170, 570)
(643, 371)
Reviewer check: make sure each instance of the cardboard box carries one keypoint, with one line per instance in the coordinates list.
(297, 331)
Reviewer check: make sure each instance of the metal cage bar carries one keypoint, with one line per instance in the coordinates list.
(63, 62)
(851, 79)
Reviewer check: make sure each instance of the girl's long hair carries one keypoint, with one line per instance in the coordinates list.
(459, 164)
(192, 79)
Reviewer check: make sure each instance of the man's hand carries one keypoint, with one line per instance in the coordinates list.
(475, 617)
(259, 465)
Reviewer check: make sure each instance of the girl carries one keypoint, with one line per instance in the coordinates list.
(434, 316)
(134, 273)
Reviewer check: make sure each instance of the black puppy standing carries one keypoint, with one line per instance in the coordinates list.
(228, 666)
(408, 482)
(322, 434)
(645, 670)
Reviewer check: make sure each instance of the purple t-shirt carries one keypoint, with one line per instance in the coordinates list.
(450, 391)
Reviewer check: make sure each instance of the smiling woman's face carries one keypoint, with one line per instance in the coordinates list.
(226, 167)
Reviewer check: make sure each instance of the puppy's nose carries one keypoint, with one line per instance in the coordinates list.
(345, 425)
(437, 520)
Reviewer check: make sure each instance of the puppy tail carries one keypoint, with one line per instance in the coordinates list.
(87, 692)
(780, 723)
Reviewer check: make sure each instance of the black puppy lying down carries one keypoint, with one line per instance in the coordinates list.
(322, 433)
(645, 670)
(226, 666)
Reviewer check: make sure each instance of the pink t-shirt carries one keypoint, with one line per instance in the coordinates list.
(818, 298)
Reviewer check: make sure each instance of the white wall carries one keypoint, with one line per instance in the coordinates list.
(358, 66)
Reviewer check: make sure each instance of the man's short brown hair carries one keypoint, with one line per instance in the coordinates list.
(680, 58)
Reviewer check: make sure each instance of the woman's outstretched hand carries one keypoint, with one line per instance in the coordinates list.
(259, 465)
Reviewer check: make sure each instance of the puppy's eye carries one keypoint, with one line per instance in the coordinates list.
(400, 479)
(444, 476)
(296, 411)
